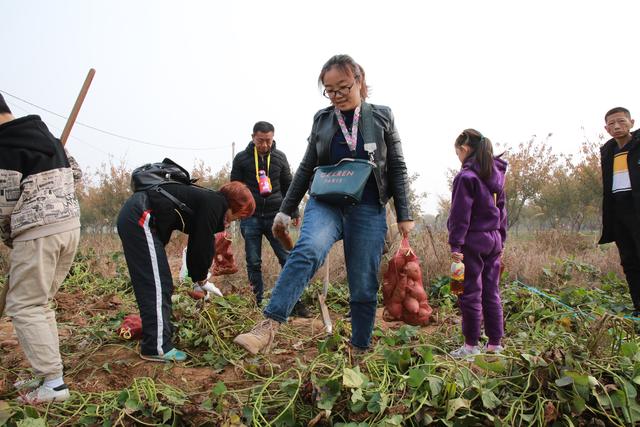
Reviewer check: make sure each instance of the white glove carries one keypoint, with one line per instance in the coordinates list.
(211, 288)
(199, 288)
(281, 220)
(183, 268)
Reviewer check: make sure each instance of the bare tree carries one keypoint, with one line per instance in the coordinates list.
(530, 166)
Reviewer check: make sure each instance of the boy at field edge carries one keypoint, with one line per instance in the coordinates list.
(477, 231)
(619, 158)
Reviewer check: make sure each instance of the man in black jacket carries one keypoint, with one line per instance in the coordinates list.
(620, 161)
(261, 161)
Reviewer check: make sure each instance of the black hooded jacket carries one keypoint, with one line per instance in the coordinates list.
(37, 193)
(244, 170)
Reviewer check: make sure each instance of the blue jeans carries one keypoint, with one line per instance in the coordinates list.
(363, 228)
(252, 230)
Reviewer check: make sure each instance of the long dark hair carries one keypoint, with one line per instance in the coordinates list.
(481, 149)
(347, 65)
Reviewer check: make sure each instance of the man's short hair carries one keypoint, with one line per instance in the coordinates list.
(617, 110)
(264, 127)
(4, 108)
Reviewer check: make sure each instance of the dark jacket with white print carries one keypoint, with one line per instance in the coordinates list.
(37, 193)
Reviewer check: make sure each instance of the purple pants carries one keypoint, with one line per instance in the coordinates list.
(481, 298)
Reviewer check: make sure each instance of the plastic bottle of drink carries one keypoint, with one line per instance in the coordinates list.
(456, 281)
(264, 183)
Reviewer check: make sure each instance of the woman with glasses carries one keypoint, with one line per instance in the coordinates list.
(349, 128)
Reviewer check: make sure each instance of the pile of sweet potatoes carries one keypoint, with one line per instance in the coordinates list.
(402, 289)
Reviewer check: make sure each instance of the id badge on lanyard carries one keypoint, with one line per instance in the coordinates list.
(370, 148)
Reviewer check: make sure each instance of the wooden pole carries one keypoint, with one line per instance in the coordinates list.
(3, 295)
(322, 299)
(76, 107)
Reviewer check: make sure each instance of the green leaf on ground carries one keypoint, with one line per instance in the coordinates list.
(435, 385)
(455, 404)
(219, 389)
(490, 400)
(416, 377)
(353, 378)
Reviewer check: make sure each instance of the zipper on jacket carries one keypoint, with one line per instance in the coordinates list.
(264, 205)
(264, 199)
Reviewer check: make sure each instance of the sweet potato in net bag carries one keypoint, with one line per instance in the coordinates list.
(223, 262)
(130, 328)
(282, 234)
(402, 289)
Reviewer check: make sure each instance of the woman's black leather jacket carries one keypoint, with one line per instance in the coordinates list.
(376, 126)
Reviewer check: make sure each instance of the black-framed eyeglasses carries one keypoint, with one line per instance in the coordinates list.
(343, 91)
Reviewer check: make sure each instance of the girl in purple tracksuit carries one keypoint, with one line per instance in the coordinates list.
(477, 231)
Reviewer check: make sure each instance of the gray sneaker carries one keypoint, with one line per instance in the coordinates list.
(44, 394)
(496, 350)
(464, 352)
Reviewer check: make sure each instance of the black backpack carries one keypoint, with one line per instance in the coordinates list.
(152, 176)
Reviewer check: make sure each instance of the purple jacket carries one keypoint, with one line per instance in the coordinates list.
(477, 205)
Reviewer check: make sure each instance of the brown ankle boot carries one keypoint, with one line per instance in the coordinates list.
(259, 338)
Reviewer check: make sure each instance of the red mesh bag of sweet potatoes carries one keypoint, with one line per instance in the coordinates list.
(224, 261)
(403, 292)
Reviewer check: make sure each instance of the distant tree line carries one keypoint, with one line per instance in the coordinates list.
(545, 190)
(105, 190)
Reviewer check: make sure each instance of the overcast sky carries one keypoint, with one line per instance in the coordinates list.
(199, 74)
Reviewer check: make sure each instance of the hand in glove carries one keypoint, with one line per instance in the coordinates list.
(204, 291)
(280, 230)
(211, 288)
(281, 222)
(198, 293)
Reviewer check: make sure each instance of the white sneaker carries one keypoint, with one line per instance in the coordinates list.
(496, 350)
(44, 394)
(465, 352)
(210, 287)
(28, 384)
